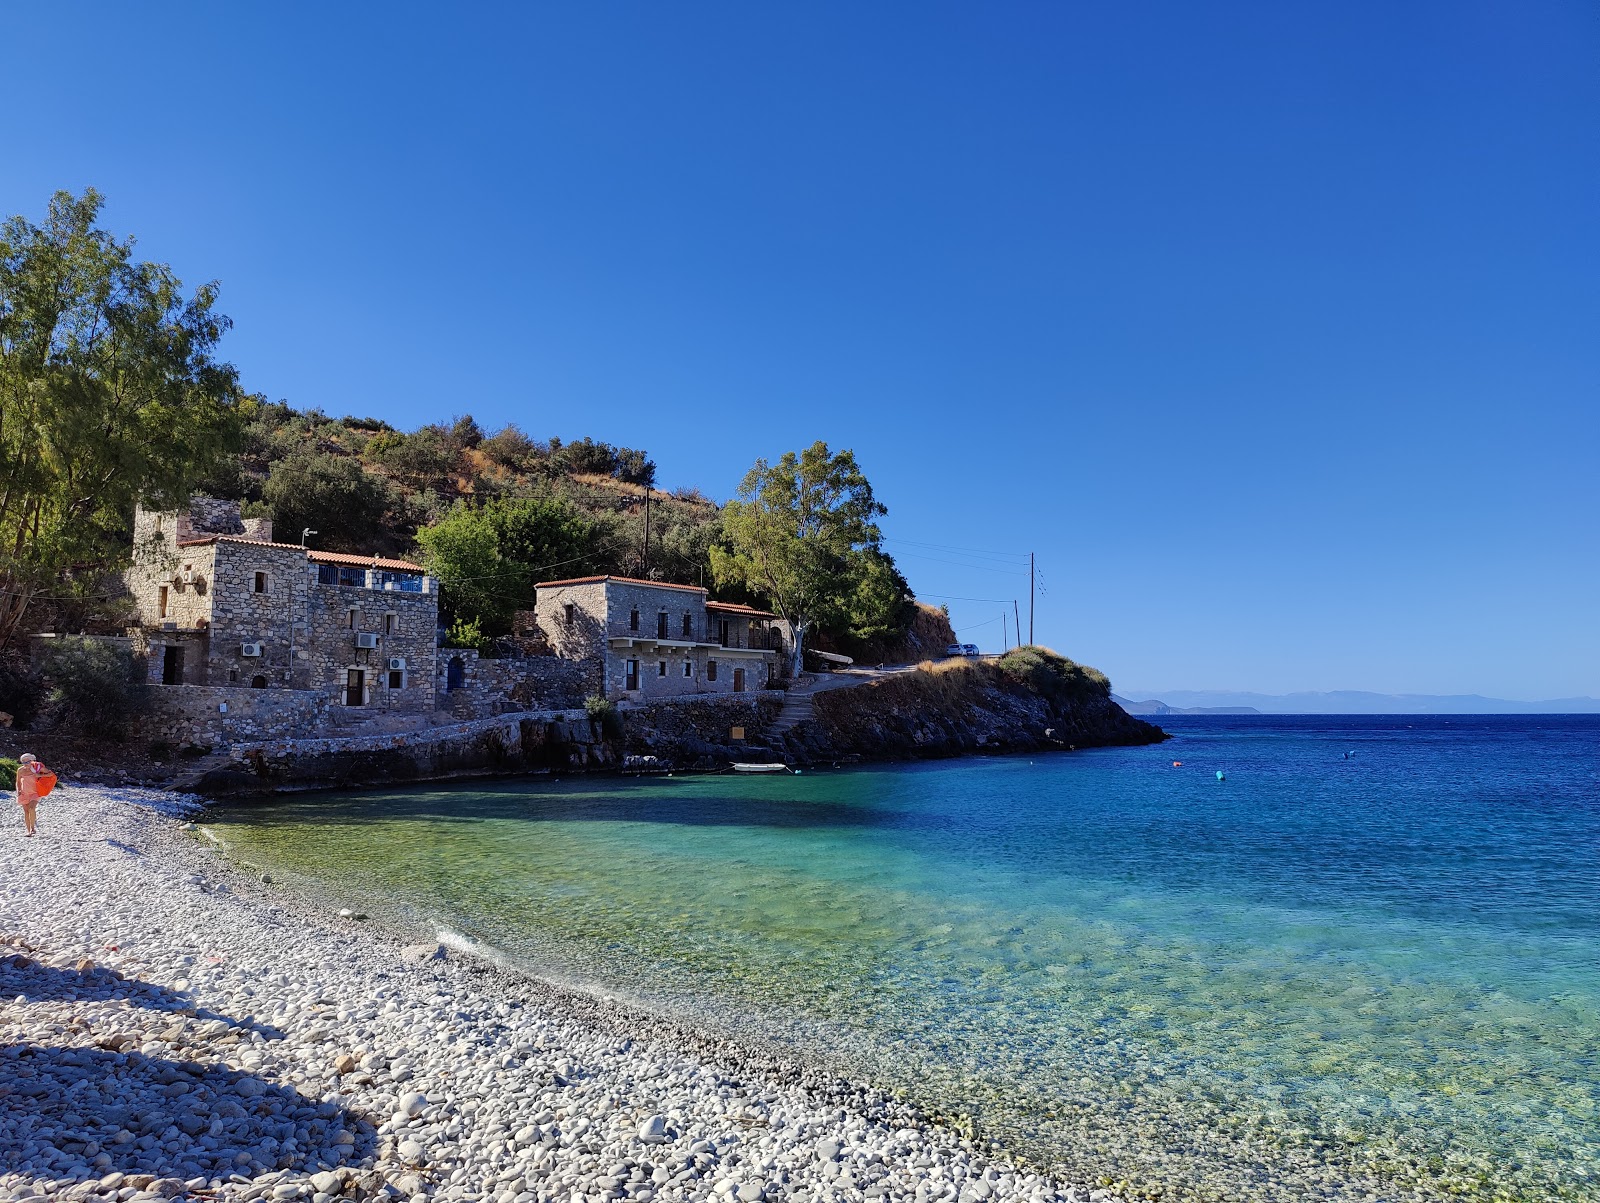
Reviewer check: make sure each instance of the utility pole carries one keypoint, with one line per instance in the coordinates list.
(1005, 642)
(1030, 597)
(644, 569)
(1017, 615)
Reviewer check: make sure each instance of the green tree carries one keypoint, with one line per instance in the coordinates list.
(347, 507)
(109, 394)
(803, 533)
(489, 557)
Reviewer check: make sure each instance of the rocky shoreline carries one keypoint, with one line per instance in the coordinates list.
(173, 1028)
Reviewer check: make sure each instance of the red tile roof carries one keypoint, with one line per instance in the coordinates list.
(621, 580)
(316, 557)
(737, 608)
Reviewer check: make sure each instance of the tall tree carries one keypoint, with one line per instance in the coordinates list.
(109, 394)
(802, 532)
(489, 557)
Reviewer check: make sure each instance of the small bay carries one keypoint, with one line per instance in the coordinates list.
(1366, 960)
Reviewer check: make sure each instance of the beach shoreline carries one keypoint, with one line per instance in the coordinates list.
(173, 1026)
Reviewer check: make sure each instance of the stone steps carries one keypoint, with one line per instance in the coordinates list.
(797, 708)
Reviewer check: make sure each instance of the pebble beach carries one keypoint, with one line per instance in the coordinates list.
(174, 1027)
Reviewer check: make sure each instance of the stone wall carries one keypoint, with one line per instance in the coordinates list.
(194, 715)
(510, 744)
(489, 687)
(406, 626)
(268, 597)
(614, 621)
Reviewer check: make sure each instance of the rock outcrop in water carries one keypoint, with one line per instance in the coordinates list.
(1031, 700)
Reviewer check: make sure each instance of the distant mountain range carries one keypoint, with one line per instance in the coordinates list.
(1346, 701)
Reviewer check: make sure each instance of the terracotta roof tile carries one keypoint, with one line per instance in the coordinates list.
(316, 557)
(738, 608)
(621, 580)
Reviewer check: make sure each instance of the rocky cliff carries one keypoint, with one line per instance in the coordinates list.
(1031, 700)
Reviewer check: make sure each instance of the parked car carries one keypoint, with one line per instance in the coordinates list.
(962, 649)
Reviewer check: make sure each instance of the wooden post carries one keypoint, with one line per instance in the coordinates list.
(1018, 617)
(644, 563)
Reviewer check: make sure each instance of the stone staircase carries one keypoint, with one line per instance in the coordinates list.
(798, 707)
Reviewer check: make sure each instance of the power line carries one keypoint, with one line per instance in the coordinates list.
(912, 555)
(967, 550)
(999, 601)
(975, 625)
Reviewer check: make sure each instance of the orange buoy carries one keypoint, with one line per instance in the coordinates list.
(1177, 764)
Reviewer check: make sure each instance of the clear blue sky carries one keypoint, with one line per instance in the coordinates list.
(1274, 329)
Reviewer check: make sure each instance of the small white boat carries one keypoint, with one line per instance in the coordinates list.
(760, 768)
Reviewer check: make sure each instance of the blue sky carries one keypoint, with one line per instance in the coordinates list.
(1273, 329)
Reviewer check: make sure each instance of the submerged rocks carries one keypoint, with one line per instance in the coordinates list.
(298, 1060)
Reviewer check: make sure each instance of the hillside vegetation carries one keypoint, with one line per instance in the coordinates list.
(491, 513)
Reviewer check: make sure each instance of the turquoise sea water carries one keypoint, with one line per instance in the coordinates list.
(1373, 974)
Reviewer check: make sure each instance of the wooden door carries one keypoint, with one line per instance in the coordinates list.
(355, 687)
(172, 666)
(633, 675)
(738, 680)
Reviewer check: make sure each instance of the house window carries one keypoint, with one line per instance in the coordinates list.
(688, 626)
(571, 612)
(261, 582)
(352, 616)
(161, 600)
(661, 625)
(391, 623)
(661, 668)
(711, 670)
(327, 574)
(633, 620)
(397, 678)
(233, 675)
(688, 668)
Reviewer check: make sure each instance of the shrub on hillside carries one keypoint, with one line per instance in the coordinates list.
(604, 711)
(466, 632)
(1052, 675)
(21, 693)
(91, 687)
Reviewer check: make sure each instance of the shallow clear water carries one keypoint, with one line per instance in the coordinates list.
(1368, 974)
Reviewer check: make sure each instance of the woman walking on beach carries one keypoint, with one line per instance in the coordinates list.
(33, 782)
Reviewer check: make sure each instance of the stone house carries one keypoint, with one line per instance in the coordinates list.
(647, 640)
(221, 604)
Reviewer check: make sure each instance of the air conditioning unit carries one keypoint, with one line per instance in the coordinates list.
(188, 576)
(397, 664)
(367, 639)
(250, 649)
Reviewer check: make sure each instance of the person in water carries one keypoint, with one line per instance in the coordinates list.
(29, 774)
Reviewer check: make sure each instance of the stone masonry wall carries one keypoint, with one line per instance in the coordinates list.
(603, 611)
(490, 687)
(406, 627)
(194, 714)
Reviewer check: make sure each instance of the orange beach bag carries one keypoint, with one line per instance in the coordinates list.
(44, 783)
